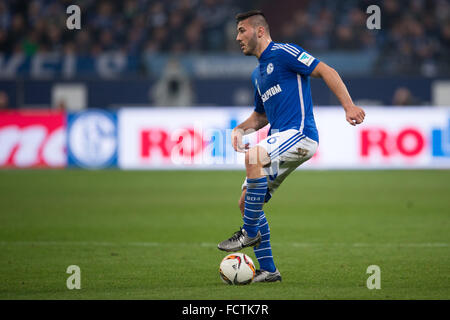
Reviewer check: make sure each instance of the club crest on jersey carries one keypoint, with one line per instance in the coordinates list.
(269, 68)
(306, 59)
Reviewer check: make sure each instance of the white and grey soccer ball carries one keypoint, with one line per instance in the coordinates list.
(237, 268)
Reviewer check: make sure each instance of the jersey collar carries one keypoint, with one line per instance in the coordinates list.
(266, 51)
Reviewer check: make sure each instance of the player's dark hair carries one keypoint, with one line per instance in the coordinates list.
(245, 15)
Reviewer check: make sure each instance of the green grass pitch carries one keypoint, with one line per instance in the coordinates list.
(153, 234)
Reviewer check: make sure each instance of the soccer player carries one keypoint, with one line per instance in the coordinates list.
(282, 99)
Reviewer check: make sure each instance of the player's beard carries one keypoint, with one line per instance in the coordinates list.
(251, 45)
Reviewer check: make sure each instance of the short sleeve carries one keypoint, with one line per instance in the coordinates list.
(297, 59)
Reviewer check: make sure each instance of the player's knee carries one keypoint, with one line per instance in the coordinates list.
(256, 157)
(252, 159)
(254, 162)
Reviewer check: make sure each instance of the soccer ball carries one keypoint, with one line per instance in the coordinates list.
(237, 268)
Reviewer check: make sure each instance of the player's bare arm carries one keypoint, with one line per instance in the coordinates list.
(353, 114)
(253, 123)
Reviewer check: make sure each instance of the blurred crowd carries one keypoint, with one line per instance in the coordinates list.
(414, 37)
(132, 26)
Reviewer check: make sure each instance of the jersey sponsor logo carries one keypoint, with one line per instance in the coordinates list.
(306, 59)
(269, 68)
(271, 92)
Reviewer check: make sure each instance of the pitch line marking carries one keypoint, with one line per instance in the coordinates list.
(210, 244)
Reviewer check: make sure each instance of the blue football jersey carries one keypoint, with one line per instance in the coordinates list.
(282, 88)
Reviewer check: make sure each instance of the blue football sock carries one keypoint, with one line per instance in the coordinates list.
(263, 252)
(254, 201)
